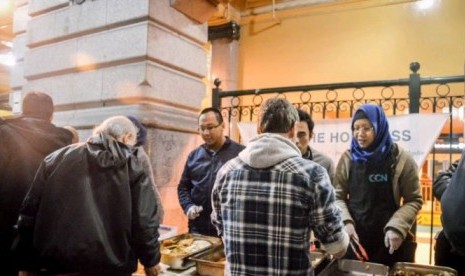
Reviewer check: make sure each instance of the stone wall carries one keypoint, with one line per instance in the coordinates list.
(110, 57)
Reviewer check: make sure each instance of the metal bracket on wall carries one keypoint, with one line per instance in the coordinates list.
(77, 2)
(229, 30)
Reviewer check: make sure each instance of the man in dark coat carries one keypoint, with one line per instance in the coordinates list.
(449, 189)
(25, 141)
(92, 209)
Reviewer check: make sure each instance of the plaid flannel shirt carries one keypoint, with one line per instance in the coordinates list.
(265, 216)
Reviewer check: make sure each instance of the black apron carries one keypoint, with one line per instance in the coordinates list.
(371, 205)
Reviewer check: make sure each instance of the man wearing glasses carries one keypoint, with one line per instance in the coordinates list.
(198, 177)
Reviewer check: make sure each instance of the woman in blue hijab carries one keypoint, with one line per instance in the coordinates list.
(377, 188)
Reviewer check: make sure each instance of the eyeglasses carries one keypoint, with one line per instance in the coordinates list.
(362, 130)
(208, 128)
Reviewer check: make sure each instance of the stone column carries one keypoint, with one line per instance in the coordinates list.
(225, 53)
(225, 58)
(99, 58)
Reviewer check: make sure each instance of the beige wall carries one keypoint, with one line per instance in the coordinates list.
(350, 43)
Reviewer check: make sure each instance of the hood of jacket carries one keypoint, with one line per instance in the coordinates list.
(41, 135)
(106, 152)
(267, 150)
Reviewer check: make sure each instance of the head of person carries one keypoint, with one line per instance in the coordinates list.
(74, 132)
(304, 130)
(38, 105)
(371, 135)
(141, 131)
(277, 116)
(118, 128)
(211, 127)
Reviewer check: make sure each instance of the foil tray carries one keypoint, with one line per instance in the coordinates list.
(181, 261)
(319, 260)
(354, 268)
(209, 262)
(407, 269)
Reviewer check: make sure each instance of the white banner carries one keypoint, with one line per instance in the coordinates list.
(415, 133)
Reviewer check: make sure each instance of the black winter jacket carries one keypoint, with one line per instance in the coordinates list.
(24, 143)
(449, 187)
(92, 210)
(442, 181)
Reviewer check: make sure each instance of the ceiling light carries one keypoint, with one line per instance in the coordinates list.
(425, 4)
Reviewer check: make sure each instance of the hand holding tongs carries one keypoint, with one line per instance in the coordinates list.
(358, 249)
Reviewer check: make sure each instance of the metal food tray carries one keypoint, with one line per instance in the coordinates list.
(320, 259)
(181, 262)
(408, 269)
(207, 262)
(354, 268)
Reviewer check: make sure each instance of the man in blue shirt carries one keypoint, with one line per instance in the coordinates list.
(194, 190)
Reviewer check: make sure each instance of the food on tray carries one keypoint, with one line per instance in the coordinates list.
(221, 261)
(167, 243)
(183, 246)
(186, 242)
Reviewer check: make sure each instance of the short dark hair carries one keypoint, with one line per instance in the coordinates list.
(277, 115)
(218, 115)
(305, 117)
(38, 105)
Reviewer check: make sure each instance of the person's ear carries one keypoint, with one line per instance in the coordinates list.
(291, 132)
(128, 139)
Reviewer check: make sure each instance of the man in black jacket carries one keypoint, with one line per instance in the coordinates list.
(449, 189)
(25, 141)
(91, 208)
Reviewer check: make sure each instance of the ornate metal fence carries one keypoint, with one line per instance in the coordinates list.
(414, 94)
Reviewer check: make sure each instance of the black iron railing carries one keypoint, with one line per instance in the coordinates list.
(396, 96)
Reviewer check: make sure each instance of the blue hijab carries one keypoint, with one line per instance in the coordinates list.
(379, 149)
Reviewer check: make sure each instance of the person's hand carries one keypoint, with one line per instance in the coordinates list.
(26, 273)
(393, 240)
(340, 254)
(350, 229)
(194, 211)
(152, 271)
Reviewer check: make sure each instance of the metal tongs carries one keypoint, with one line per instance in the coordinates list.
(358, 249)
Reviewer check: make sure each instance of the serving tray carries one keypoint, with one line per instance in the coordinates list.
(175, 251)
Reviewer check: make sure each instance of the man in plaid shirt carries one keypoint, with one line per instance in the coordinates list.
(267, 200)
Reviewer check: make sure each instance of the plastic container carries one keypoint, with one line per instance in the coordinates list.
(167, 232)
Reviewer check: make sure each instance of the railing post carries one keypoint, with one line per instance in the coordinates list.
(216, 100)
(414, 88)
